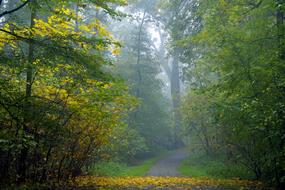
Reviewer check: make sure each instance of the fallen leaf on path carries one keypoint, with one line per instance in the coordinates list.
(164, 182)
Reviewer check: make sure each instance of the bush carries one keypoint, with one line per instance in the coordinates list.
(213, 167)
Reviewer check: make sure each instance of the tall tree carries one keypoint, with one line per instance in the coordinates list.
(239, 66)
(53, 104)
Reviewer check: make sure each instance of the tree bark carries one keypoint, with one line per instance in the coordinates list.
(139, 54)
(173, 74)
(176, 97)
(22, 165)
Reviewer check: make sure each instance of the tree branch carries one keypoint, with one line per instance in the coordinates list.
(15, 9)
(15, 35)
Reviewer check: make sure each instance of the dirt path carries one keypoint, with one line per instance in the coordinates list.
(168, 165)
(162, 176)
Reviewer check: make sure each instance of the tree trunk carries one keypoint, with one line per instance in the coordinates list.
(175, 93)
(22, 166)
(139, 54)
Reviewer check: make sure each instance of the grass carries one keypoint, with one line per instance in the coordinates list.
(215, 168)
(108, 169)
(143, 168)
(116, 169)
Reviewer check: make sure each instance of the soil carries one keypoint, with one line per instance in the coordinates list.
(168, 165)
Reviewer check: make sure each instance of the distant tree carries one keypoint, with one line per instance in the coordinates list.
(152, 119)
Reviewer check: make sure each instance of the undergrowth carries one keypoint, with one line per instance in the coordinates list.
(201, 165)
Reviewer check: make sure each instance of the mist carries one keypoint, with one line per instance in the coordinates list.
(142, 94)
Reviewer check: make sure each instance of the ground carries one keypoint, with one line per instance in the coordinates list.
(164, 175)
(168, 166)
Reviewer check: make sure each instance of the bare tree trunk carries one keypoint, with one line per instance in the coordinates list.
(162, 56)
(173, 75)
(176, 97)
(22, 166)
(139, 53)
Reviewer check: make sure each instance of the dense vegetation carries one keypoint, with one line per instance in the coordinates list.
(59, 108)
(199, 165)
(98, 86)
(235, 104)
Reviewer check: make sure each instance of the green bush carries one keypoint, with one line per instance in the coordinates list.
(115, 169)
(213, 167)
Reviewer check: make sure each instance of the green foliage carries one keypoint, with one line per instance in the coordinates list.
(114, 169)
(57, 112)
(201, 165)
(126, 143)
(142, 168)
(236, 78)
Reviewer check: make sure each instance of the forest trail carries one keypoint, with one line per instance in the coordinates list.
(169, 164)
(164, 175)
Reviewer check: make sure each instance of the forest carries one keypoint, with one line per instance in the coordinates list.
(142, 94)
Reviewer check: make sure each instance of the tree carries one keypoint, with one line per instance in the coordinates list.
(172, 16)
(55, 112)
(152, 118)
(238, 65)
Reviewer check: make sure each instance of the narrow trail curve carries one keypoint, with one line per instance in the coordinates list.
(168, 165)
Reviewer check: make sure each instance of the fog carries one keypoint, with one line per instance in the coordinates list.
(142, 94)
